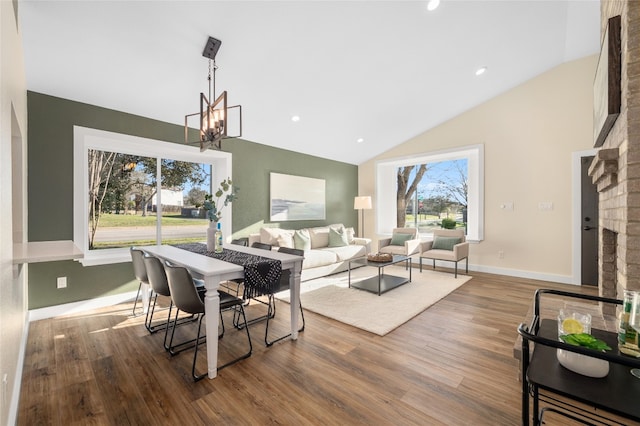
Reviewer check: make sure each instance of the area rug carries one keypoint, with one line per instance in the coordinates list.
(330, 296)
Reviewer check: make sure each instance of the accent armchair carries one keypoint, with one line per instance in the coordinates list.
(403, 241)
(449, 245)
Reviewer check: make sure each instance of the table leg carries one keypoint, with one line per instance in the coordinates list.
(212, 320)
(145, 291)
(294, 297)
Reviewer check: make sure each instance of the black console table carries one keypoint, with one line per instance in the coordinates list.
(543, 378)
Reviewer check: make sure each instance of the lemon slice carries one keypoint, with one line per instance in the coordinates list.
(572, 326)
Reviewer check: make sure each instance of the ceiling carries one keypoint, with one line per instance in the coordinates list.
(383, 71)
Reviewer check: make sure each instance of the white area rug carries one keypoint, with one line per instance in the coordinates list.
(330, 296)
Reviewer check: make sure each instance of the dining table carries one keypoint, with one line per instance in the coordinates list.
(213, 271)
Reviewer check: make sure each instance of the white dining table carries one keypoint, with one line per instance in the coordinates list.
(214, 271)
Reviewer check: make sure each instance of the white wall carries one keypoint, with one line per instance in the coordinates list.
(13, 131)
(529, 133)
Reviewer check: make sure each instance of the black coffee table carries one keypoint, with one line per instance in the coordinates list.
(383, 282)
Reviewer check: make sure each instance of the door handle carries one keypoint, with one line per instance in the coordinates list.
(587, 228)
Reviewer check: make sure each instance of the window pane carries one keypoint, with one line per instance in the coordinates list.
(184, 185)
(440, 199)
(120, 190)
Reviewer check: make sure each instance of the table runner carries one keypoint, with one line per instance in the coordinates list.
(261, 274)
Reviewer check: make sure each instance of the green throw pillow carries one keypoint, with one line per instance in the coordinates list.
(399, 239)
(302, 240)
(338, 238)
(445, 243)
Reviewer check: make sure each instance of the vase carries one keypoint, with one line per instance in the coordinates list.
(211, 236)
(583, 364)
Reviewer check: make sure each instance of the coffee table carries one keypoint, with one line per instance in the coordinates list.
(383, 282)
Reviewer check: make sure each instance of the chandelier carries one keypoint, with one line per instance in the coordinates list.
(216, 116)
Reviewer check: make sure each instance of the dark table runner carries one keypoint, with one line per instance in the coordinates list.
(261, 274)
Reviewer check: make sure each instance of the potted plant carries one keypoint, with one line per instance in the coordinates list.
(214, 203)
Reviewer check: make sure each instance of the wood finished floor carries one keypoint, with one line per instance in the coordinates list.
(451, 365)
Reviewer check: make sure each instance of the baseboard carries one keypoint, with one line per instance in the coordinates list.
(84, 305)
(561, 279)
(17, 382)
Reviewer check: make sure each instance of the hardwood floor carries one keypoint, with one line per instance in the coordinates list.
(452, 365)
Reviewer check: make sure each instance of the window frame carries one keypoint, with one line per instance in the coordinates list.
(386, 187)
(86, 138)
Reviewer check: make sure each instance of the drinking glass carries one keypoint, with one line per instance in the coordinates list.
(634, 321)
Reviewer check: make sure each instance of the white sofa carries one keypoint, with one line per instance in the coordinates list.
(323, 254)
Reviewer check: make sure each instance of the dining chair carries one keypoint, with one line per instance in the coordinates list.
(261, 246)
(283, 285)
(139, 271)
(160, 286)
(234, 284)
(186, 298)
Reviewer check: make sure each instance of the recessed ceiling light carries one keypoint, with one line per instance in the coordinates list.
(481, 71)
(360, 140)
(433, 5)
(295, 118)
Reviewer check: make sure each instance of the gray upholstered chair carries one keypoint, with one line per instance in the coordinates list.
(282, 286)
(403, 241)
(139, 271)
(448, 245)
(160, 286)
(186, 298)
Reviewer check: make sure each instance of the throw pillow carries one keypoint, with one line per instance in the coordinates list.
(351, 234)
(285, 240)
(399, 239)
(337, 238)
(445, 243)
(302, 240)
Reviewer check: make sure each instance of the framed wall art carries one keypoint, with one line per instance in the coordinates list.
(297, 198)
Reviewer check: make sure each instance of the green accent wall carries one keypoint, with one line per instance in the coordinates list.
(50, 190)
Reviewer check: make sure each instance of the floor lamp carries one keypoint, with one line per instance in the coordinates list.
(362, 203)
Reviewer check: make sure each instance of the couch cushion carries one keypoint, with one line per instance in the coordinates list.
(316, 258)
(337, 237)
(320, 235)
(271, 235)
(399, 239)
(302, 240)
(393, 249)
(348, 252)
(445, 243)
(439, 255)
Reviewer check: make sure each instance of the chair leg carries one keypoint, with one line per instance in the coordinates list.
(221, 335)
(166, 329)
(434, 264)
(420, 263)
(455, 275)
(244, 356)
(195, 354)
(179, 347)
(270, 314)
(150, 310)
(467, 265)
(135, 303)
(266, 331)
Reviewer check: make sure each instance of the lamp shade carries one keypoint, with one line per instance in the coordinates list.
(362, 203)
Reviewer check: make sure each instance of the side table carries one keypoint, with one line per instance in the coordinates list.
(543, 378)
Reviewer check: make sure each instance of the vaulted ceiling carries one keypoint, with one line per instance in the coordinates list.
(380, 71)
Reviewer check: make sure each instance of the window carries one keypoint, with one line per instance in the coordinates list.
(439, 193)
(136, 191)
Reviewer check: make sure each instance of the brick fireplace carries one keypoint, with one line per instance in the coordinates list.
(616, 167)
